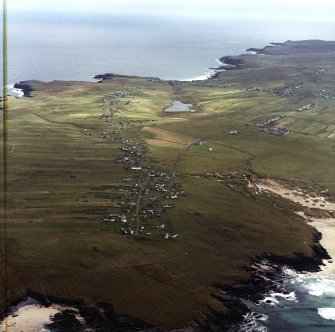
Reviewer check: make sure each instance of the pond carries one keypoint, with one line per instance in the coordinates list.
(178, 106)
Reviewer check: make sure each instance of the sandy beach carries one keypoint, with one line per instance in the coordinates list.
(326, 226)
(28, 318)
(31, 316)
(295, 195)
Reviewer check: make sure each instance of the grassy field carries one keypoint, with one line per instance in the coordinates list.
(63, 179)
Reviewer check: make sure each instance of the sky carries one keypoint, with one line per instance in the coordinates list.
(300, 10)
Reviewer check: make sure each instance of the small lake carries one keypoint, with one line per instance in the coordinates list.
(178, 106)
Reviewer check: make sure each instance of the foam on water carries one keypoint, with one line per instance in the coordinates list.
(327, 313)
(252, 322)
(318, 286)
(15, 92)
(305, 303)
(269, 300)
(289, 297)
(274, 298)
(203, 77)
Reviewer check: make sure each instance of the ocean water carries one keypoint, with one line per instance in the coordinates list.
(69, 46)
(307, 304)
(62, 46)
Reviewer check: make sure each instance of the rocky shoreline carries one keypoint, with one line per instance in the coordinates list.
(293, 47)
(266, 274)
(230, 62)
(25, 87)
(102, 316)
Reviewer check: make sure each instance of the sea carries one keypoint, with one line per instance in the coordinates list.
(49, 46)
(306, 303)
(76, 46)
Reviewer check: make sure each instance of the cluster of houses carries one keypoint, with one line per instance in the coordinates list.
(107, 116)
(134, 149)
(150, 210)
(166, 82)
(133, 152)
(175, 192)
(124, 93)
(270, 121)
(328, 95)
(288, 92)
(150, 207)
(277, 131)
(306, 107)
(116, 217)
(284, 92)
(269, 129)
(115, 99)
(256, 89)
(205, 83)
(130, 230)
(107, 135)
(87, 132)
(139, 206)
(201, 83)
(168, 236)
(301, 86)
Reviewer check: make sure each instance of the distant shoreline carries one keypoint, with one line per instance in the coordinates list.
(261, 280)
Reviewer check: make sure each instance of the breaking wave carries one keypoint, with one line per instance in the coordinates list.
(327, 313)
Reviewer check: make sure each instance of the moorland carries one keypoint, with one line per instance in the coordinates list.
(113, 200)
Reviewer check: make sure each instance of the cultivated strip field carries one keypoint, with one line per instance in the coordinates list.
(112, 199)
